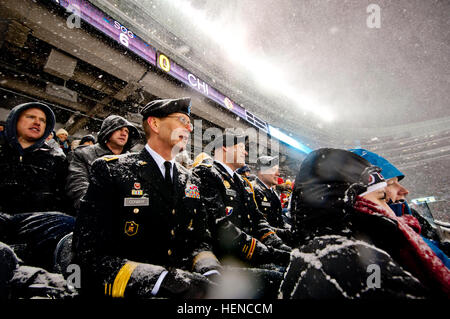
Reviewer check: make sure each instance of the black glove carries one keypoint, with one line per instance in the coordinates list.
(185, 285)
(284, 247)
(281, 257)
(275, 242)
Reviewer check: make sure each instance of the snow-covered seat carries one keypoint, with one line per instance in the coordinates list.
(63, 254)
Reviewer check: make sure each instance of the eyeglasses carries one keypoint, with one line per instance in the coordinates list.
(184, 121)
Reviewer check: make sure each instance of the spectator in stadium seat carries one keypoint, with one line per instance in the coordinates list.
(87, 140)
(268, 202)
(244, 171)
(116, 136)
(62, 137)
(345, 230)
(396, 194)
(239, 230)
(50, 141)
(141, 230)
(238, 226)
(33, 205)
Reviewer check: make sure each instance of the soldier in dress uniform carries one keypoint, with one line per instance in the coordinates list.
(141, 230)
(238, 228)
(268, 202)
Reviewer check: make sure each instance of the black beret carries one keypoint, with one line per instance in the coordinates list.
(163, 108)
(229, 138)
(265, 162)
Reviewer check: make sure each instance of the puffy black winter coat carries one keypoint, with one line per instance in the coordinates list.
(342, 253)
(350, 264)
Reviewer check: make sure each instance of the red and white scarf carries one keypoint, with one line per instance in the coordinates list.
(416, 255)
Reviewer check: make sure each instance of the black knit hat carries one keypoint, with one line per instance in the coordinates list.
(326, 188)
(328, 171)
(229, 138)
(163, 108)
(328, 165)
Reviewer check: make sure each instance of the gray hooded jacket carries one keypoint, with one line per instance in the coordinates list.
(83, 156)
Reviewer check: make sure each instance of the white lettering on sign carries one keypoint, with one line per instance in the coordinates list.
(125, 34)
(117, 25)
(200, 85)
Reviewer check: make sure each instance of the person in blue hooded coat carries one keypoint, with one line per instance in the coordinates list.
(33, 206)
(397, 201)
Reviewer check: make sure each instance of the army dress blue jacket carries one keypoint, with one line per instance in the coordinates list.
(238, 228)
(130, 229)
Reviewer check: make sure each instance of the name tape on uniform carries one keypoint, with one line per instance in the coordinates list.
(144, 201)
(230, 192)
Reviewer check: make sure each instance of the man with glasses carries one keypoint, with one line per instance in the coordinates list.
(141, 230)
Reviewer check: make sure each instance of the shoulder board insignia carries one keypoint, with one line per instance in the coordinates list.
(142, 163)
(205, 164)
(110, 158)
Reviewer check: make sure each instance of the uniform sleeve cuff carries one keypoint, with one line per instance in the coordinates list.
(159, 282)
(210, 272)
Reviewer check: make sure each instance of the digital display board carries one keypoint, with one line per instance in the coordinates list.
(123, 35)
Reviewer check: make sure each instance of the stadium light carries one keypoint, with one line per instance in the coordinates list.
(231, 39)
(273, 131)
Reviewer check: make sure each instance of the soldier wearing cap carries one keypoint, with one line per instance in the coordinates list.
(268, 202)
(239, 229)
(141, 230)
